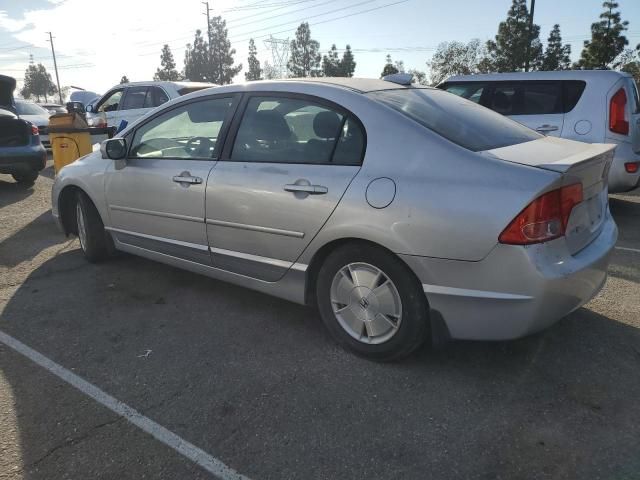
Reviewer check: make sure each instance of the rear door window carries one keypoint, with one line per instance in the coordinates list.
(156, 96)
(504, 100)
(573, 90)
(541, 98)
(458, 120)
(134, 98)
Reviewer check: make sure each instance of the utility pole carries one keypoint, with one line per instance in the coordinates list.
(206, 4)
(529, 31)
(55, 66)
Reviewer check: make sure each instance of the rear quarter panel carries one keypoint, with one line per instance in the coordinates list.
(449, 203)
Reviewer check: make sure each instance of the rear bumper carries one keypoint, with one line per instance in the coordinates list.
(515, 290)
(619, 179)
(22, 159)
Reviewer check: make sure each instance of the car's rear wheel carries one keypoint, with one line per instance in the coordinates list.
(372, 303)
(26, 178)
(95, 241)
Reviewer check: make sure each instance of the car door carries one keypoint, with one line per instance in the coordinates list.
(156, 197)
(535, 104)
(132, 106)
(107, 108)
(281, 177)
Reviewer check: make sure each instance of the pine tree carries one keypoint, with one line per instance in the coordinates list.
(195, 60)
(255, 72)
(124, 79)
(508, 52)
(38, 83)
(389, 68)
(331, 63)
(607, 39)
(556, 55)
(348, 63)
(167, 70)
(221, 63)
(304, 59)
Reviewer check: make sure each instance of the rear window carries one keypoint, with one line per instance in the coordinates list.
(460, 121)
(185, 90)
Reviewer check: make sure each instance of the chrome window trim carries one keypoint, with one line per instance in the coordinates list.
(255, 228)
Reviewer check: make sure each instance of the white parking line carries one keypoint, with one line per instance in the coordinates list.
(190, 451)
(627, 249)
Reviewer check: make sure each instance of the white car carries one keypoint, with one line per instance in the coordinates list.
(37, 115)
(592, 106)
(130, 101)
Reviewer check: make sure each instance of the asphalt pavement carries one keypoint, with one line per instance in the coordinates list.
(257, 384)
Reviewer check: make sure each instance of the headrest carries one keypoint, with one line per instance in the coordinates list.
(326, 124)
(270, 125)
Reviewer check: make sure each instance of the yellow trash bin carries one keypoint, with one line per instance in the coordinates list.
(69, 137)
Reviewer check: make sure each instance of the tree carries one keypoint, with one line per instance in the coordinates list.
(124, 79)
(629, 61)
(195, 59)
(270, 72)
(556, 56)
(419, 77)
(456, 58)
(304, 59)
(508, 52)
(331, 63)
(167, 71)
(38, 83)
(389, 68)
(348, 63)
(607, 39)
(221, 63)
(255, 72)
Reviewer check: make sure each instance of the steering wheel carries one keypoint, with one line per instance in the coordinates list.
(200, 146)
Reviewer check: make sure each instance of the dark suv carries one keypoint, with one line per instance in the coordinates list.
(21, 152)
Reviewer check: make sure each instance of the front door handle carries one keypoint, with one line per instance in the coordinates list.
(310, 189)
(547, 128)
(185, 178)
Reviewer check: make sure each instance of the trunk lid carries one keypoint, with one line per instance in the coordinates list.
(577, 162)
(634, 105)
(7, 86)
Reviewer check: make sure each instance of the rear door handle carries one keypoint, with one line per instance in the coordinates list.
(310, 189)
(186, 177)
(547, 128)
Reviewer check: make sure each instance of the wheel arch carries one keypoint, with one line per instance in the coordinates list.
(325, 250)
(66, 207)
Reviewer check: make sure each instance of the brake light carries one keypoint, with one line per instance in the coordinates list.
(631, 167)
(618, 119)
(543, 219)
(34, 130)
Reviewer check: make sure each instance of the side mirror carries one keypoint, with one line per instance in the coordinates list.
(114, 148)
(88, 108)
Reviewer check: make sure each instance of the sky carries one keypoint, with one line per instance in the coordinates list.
(99, 41)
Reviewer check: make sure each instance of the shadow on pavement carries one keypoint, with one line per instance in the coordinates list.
(29, 241)
(256, 382)
(11, 192)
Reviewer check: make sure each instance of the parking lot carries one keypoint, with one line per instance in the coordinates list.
(256, 383)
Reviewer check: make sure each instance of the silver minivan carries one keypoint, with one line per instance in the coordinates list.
(592, 106)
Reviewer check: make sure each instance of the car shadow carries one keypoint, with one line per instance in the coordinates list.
(48, 172)
(258, 381)
(29, 241)
(12, 192)
(626, 212)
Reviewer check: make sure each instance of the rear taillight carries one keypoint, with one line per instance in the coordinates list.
(34, 130)
(543, 219)
(631, 167)
(618, 119)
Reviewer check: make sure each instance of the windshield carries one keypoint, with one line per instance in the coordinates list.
(27, 108)
(456, 119)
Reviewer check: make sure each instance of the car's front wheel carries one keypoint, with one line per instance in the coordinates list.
(372, 303)
(95, 241)
(26, 178)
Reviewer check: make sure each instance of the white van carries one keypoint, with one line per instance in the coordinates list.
(130, 101)
(593, 106)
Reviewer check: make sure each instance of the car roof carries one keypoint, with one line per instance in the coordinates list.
(597, 75)
(151, 83)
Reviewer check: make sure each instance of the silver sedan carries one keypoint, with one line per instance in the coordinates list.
(402, 212)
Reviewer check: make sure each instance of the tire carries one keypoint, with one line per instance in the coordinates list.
(361, 281)
(96, 243)
(26, 178)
